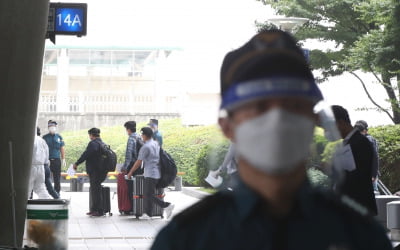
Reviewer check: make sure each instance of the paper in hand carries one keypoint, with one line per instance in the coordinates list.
(71, 170)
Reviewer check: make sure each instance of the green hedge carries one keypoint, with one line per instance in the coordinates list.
(388, 138)
(183, 143)
(198, 149)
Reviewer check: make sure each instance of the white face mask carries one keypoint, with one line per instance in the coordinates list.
(275, 142)
(52, 129)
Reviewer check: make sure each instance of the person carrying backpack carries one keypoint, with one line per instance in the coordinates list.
(149, 155)
(93, 158)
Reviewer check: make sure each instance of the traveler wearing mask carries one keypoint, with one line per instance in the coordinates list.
(56, 153)
(157, 136)
(92, 157)
(269, 94)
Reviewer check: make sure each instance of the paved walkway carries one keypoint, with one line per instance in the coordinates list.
(116, 231)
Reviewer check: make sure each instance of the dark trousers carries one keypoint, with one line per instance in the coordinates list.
(47, 181)
(149, 197)
(55, 167)
(95, 193)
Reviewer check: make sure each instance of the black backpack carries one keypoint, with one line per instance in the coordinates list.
(168, 169)
(139, 144)
(108, 158)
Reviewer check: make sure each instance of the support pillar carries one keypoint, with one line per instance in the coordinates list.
(23, 26)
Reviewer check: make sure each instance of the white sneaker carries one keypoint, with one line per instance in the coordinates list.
(168, 210)
(145, 217)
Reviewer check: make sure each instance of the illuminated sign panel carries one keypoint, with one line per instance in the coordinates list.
(67, 19)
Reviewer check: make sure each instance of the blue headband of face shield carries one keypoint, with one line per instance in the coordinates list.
(242, 92)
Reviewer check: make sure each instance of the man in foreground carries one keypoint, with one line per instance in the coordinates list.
(269, 94)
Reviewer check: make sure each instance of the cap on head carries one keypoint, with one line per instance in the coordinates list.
(94, 131)
(51, 123)
(153, 122)
(271, 64)
(147, 132)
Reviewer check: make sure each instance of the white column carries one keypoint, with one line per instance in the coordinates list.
(159, 81)
(62, 81)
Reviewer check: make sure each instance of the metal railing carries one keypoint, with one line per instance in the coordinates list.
(106, 102)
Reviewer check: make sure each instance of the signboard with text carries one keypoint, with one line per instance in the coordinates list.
(67, 19)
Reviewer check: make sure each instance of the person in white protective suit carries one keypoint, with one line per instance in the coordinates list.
(40, 156)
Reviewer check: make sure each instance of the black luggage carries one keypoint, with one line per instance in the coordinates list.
(137, 198)
(105, 200)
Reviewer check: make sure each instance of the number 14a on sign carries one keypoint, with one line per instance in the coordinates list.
(68, 20)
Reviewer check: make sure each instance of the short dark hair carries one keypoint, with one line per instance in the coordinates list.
(341, 113)
(359, 127)
(147, 131)
(94, 131)
(37, 131)
(362, 123)
(131, 125)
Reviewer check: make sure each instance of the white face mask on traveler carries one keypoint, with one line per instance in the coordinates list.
(52, 130)
(275, 142)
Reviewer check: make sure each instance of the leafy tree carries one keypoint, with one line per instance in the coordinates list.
(366, 34)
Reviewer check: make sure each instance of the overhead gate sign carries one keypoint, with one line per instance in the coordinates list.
(67, 19)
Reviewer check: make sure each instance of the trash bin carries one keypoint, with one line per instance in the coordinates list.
(393, 219)
(73, 183)
(178, 183)
(79, 184)
(381, 201)
(47, 224)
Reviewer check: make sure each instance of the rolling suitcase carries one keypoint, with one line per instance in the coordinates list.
(105, 200)
(124, 198)
(137, 199)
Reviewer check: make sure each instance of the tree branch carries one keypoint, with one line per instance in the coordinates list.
(369, 96)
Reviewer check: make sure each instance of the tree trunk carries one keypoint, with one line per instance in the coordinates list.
(392, 97)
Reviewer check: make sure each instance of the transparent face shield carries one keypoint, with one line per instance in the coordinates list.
(328, 157)
(325, 164)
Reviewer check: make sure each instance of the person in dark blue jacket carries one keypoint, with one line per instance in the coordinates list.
(92, 156)
(269, 93)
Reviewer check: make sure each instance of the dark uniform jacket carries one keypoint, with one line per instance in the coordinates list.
(358, 183)
(92, 156)
(238, 220)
